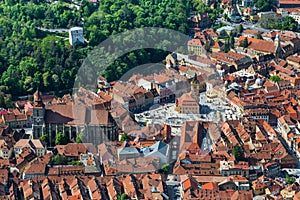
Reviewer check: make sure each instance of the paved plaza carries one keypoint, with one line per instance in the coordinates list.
(214, 110)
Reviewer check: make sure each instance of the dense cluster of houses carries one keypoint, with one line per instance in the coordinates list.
(246, 10)
(120, 158)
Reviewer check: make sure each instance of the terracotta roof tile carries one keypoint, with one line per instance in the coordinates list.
(71, 149)
(293, 2)
(190, 183)
(36, 168)
(210, 186)
(195, 42)
(218, 45)
(251, 31)
(260, 45)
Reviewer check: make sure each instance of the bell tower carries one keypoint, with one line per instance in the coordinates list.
(38, 115)
(278, 47)
(195, 87)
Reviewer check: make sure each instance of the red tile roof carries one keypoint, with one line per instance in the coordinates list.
(210, 186)
(294, 2)
(218, 45)
(190, 183)
(259, 45)
(251, 32)
(195, 42)
(71, 149)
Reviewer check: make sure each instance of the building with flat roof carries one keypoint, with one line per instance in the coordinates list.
(76, 35)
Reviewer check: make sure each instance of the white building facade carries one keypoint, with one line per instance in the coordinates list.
(76, 35)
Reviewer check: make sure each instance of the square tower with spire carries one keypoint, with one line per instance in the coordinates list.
(38, 115)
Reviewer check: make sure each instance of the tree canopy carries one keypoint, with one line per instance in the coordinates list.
(264, 5)
(238, 152)
(44, 138)
(61, 139)
(275, 78)
(31, 57)
(165, 168)
(124, 137)
(117, 16)
(244, 43)
(289, 179)
(200, 7)
(285, 23)
(63, 160)
(59, 160)
(79, 138)
(240, 29)
(122, 196)
(288, 23)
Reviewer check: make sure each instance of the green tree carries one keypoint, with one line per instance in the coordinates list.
(59, 160)
(122, 196)
(231, 41)
(124, 137)
(31, 58)
(5, 99)
(275, 78)
(225, 16)
(259, 36)
(61, 139)
(289, 179)
(44, 138)
(226, 46)
(264, 5)
(165, 168)
(75, 162)
(46, 79)
(79, 138)
(238, 153)
(288, 24)
(244, 43)
(63, 160)
(275, 23)
(240, 29)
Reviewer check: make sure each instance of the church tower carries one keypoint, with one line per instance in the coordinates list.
(195, 88)
(278, 47)
(38, 115)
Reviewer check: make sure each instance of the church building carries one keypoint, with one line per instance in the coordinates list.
(73, 117)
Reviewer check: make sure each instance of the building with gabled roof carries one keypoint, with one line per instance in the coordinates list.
(87, 113)
(200, 20)
(191, 132)
(158, 150)
(36, 145)
(196, 46)
(15, 118)
(186, 104)
(71, 150)
(239, 61)
(209, 186)
(229, 168)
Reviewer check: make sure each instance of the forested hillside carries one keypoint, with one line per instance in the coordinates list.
(31, 58)
(117, 16)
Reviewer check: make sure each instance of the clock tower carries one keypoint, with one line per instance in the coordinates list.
(38, 115)
(195, 88)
